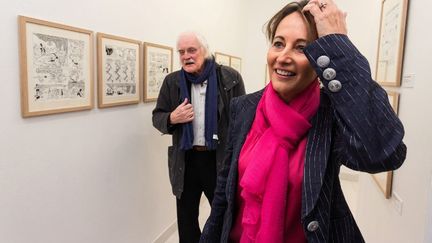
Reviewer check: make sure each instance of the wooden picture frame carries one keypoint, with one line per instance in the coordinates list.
(56, 67)
(119, 70)
(391, 42)
(222, 59)
(236, 63)
(384, 180)
(158, 63)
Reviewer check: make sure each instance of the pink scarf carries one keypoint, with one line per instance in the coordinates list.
(274, 157)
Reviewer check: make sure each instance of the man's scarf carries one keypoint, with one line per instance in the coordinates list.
(208, 73)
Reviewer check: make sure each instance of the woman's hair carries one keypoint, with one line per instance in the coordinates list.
(273, 23)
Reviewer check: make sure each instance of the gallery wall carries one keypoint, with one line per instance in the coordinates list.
(406, 217)
(95, 176)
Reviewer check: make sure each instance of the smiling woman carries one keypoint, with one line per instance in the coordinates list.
(290, 70)
(287, 142)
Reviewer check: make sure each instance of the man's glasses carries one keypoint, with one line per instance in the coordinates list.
(190, 50)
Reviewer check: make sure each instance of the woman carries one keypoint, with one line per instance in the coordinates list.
(287, 142)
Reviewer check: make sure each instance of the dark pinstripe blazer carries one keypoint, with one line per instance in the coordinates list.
(354, 126)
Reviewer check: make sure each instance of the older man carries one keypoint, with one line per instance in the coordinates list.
(193, 106)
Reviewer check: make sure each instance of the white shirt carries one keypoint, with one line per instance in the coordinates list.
(198, 96)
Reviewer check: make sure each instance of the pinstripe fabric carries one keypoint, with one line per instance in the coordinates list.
(355, 127)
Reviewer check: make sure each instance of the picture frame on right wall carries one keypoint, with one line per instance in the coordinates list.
(384, 180)
(391, 42)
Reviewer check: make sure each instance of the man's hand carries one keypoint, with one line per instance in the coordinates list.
(183, 113)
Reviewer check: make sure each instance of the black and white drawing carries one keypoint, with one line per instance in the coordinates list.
(57, 70)
(158, 64)
(118, 70)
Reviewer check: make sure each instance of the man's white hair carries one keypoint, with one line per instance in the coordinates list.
(201, 40)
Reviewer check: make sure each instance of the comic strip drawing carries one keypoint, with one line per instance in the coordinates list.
(158, 69)
(56, 67)
(118, 70)
(158, 64)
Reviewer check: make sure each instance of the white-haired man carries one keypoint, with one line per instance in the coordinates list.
(193, 106)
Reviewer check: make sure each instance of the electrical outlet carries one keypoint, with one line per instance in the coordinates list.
(408, 80)
(397, 203)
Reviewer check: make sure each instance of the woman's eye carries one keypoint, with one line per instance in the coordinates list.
(278, 44)
(300, 48)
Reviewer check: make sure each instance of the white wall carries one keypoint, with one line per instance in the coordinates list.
(257, 14)
(95, 176)
(377, 216)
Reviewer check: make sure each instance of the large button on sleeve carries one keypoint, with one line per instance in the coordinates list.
(334, 86)
(329, 73)
(313, 226)
(323, 61)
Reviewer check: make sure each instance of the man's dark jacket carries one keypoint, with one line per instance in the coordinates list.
(230, 84)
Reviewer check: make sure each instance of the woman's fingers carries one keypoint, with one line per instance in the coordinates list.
(313, 8)
(329, 19)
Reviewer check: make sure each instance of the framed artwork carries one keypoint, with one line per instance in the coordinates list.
(222, 59)
(391, 42)
(235, 62)
(394, 100)
(119, 70)
(56, 67)
(384, 179)
(158, 63)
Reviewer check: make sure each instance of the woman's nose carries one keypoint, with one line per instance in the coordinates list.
(285, 56)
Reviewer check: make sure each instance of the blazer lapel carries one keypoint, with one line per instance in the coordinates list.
(317, 153)
(246, 116)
